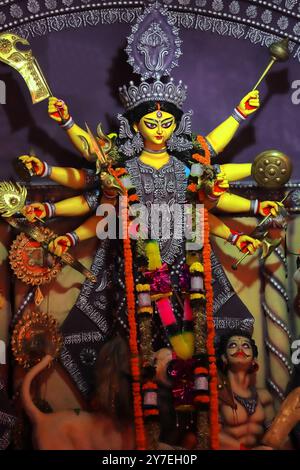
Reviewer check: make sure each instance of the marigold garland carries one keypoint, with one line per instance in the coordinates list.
(213, 385)
(133, 345)
(206, 158)
(129, 282)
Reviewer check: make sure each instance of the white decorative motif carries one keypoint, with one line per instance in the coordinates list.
(185, 125)
(184, 2)
(39, 28)
(154, 37)
(16, 11)
(296, 29)
(267, 16)
(153, 48)
(217, 5)
(251, 11)
(283, 22)
(33, 6)
(51, 4)
(218, 22)
(84, 337)
(289, 4)
(234, 7)
(2, 18)
(221, 27)
(71, 366)
(124, 130)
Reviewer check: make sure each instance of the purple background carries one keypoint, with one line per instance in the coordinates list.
(85, 67)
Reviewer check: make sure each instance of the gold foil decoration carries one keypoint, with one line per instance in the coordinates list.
(38, 296)
(35, 335)
(12, 198)
(26, 64)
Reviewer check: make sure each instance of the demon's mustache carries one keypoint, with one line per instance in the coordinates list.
(240, 354)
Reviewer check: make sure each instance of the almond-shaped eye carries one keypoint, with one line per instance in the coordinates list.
(232, 345)
(246, 345)
(150, 125)
(166, 125)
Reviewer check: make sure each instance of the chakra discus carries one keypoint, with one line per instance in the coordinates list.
(31, 263)
(35, 335)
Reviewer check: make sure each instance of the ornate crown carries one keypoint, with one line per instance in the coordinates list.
(153, 50)
(133, 95)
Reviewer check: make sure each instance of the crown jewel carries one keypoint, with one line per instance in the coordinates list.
(153, 50)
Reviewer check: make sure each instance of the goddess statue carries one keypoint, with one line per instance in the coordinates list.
(155, 161)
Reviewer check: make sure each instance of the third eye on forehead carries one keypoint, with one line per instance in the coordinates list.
(155, 121)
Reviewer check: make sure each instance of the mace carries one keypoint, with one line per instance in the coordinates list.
(279, 52)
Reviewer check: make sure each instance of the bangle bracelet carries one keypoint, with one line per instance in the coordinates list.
(66, 125)
(213, 197)
(46, 171)
(254, 206)
(233, 237)
(50, 209)
(238, 116)
(73, 237)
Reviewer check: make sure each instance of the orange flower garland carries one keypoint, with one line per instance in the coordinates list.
(206, 158)
(214, 403)
(213, 384)
(133, 345)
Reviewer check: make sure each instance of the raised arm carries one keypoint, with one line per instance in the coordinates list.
(220, 137)
(59, 112)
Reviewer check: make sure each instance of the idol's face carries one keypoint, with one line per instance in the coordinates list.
(239, 351)
(156, 127)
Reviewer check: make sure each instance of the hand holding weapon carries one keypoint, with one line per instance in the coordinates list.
(12, 200)
(268, 245)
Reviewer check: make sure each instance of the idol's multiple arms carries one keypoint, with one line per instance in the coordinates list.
(69, 177)
(220, 137)
(233, 203)
(241, 241)
(79, 138)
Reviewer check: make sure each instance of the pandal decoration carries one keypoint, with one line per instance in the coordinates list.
(35, 335)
